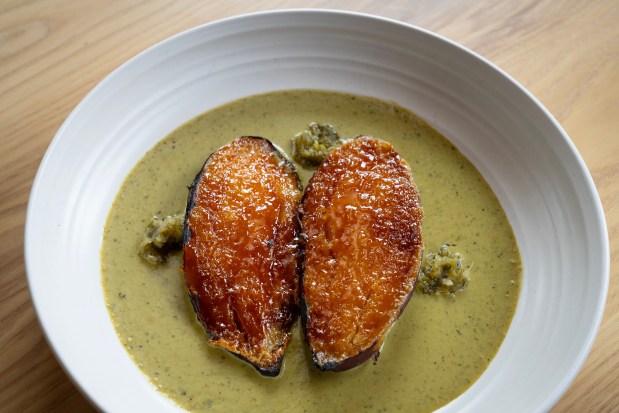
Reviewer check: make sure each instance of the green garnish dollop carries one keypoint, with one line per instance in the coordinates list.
(310, 146)
(442, 273)
(162, 237)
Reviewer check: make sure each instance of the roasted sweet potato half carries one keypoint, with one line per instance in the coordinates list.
(361, 216)
(241, 251)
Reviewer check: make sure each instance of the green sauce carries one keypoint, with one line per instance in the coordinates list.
(435, 351)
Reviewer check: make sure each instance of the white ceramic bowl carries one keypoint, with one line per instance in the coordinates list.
(523, 153)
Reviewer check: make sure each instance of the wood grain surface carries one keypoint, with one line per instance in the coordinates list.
(53, 52)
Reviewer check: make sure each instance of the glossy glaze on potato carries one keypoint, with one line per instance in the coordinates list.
(361, 216)
(241, 251)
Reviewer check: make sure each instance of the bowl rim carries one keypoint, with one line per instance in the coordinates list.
(601, 230)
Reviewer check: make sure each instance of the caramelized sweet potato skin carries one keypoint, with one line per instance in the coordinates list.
(241, 251)
(361, 217)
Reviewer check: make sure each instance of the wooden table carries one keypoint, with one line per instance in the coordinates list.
(53, 52)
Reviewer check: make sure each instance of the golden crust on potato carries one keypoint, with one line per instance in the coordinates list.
(241, 251)
(361, 216)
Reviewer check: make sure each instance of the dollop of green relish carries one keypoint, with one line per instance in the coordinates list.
(442, 272)
(310, 146)
(162, 237)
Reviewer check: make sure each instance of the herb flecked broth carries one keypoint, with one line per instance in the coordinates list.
(435, 351)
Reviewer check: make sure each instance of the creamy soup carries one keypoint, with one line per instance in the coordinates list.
(435, 351)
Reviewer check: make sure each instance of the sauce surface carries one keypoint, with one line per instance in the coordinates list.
(435, 351)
